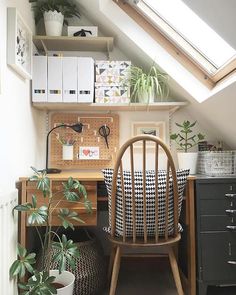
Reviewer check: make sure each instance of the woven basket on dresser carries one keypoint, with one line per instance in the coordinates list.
(90, 268)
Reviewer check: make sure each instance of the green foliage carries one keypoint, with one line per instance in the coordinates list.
(67, 7)
(39, 284)
(66, 250)
(147, 84)
(185, 139)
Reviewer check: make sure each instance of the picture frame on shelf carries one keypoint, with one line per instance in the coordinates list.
(19, 44)
(150, 128)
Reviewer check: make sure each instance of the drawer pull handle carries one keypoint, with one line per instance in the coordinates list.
(231, 227)
(230, 196)
(230, 211)
(231, 262)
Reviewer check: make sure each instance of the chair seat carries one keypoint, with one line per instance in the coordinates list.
(140, 242)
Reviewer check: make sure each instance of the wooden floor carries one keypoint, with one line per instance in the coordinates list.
(148, 278)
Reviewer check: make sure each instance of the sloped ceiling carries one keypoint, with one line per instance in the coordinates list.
(217, 113)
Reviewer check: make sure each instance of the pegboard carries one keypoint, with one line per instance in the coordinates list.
(89, 137)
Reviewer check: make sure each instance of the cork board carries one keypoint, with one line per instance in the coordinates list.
(88, 139)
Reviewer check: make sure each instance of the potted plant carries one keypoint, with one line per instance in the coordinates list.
(54, 13)
(54, 248)
(186, 140)
(146, 87)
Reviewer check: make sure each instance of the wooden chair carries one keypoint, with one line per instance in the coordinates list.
(156, 240)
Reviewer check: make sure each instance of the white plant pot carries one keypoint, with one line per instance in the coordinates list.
(67, 152)
(188, 161)
(53, 21)
(66, 278)
(146, 97)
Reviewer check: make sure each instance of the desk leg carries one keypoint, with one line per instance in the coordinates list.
(191, 246)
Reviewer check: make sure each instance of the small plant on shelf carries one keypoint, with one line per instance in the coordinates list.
(147, 86)
(185, 139)
(67, 8)
(54, 248)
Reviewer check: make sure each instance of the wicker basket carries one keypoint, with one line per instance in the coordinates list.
(90, 268)
(216, 163)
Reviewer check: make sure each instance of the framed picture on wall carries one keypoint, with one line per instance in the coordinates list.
(19, 44)
(151, 128)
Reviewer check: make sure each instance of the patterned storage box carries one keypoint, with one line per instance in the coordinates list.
(110, 81)
(111, 72)
(111, 94)
(216, 163)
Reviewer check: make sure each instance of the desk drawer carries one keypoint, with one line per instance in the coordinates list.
(214, 191)
(218, 254)
(60, 202)
(217, 223)
(217, 207)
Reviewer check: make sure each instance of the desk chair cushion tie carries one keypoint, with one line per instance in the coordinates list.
(150, 203)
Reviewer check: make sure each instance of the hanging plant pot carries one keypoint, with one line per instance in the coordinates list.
(64, 282)
(53, 21)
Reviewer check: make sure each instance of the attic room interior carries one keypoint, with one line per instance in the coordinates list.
(120, 170)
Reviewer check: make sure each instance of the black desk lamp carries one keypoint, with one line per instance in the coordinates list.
(76, 127)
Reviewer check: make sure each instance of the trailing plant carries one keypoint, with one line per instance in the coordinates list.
(67, 7)
(142, 84)
(66, 251)
(185, 140)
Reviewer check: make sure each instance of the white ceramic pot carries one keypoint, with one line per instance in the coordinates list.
(188, 161)
(146, 97)
(67, 152)
(67, 279)
(53, 21)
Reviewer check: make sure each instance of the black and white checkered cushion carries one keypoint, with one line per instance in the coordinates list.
(150, 203)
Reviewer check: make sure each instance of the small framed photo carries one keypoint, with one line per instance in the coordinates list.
(151, 128)
(88, 153)
(19, 44)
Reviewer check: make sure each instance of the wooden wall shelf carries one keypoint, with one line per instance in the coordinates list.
(158, 106)
(65, 43)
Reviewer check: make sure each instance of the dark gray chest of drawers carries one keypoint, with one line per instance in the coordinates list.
(216, 232)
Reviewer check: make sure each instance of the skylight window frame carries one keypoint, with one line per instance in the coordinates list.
(211, 72)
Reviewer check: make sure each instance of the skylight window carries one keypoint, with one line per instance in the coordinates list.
(189, 32)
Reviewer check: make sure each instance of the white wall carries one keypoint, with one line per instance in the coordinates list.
(20, 124)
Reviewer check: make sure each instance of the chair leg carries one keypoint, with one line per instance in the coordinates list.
(115, 271)
(111, 260)
(175, 271)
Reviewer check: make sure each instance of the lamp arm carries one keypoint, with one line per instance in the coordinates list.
(47, 141)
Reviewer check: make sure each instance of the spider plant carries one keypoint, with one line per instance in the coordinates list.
(147, 86)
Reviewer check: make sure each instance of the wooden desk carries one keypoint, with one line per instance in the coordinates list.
(90, 179)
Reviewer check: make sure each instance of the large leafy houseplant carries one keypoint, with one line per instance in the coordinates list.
(54, 248)
(145, 86)
(185, 139)
(67, 7)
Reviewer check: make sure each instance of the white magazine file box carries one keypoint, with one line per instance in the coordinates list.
(39, 79)
(54, 79)
(85, 79)
(69, 79)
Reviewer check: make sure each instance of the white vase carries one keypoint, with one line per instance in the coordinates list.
(188, 161)
(53, 21)
(66, 278)
(67, 152)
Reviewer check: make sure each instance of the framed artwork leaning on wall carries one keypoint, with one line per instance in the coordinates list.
(19, 44)
(152, 128)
